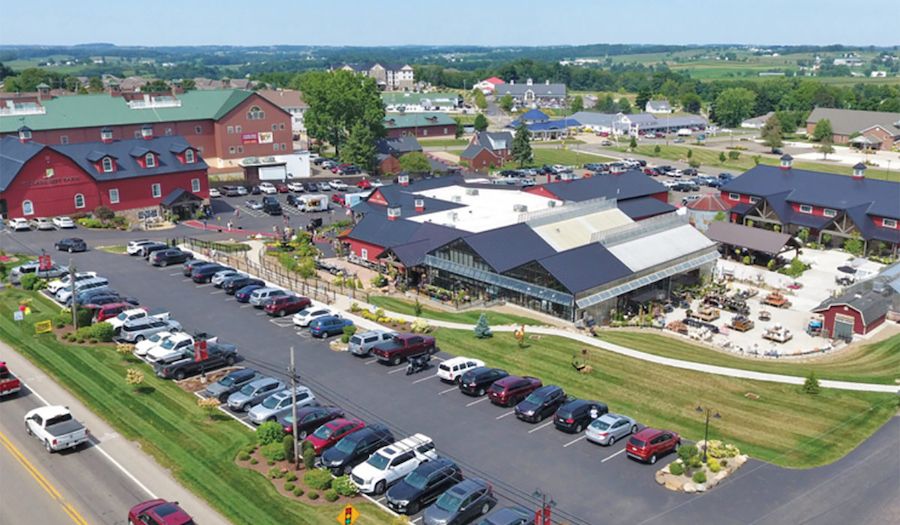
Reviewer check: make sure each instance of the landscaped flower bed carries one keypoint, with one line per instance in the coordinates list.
(690, 474)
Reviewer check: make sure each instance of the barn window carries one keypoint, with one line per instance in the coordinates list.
(806, 208)
(256, 113)
(114, 196)
(889, 223)
(27, 208)
(150, 160)
(195, 185)
(79, 201)
(189, 156)
(198, 130)
(107, 165)
(156, 191)
(828, 212)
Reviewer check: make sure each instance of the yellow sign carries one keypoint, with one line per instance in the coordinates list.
(43, 327)
(348, 516)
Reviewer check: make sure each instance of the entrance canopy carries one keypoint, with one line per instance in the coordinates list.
(755, 239)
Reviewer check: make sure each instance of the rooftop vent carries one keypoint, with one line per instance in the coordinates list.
(521, 208)
(471, 191)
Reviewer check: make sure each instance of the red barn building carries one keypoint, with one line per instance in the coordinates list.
(488, 149)
(853, 313)
(138, 175)
(420, 125)
(222, 125)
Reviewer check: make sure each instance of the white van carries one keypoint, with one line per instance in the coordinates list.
(313, 203)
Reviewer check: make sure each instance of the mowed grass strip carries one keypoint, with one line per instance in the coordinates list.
(167, 423)
(784, 426)
(874, 363)
(402, 306)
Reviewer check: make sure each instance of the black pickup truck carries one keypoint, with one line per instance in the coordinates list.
(218, 356)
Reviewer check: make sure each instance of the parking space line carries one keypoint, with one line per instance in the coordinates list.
(576, 440)
(246, 305)
(370, 361)
(417, 520)
(260, 313)
(186, 280)
(477, 401)
(501, 416)
(604, 460)
(442, 392)
(217, 293)
(417, 381)
(174, 274)
(545, 425)
(204, 285)
(396, 370)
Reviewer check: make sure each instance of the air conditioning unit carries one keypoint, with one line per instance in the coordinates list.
(456, 198)
(471, 191)
(454, 216)
(521, 208)
(551, 204)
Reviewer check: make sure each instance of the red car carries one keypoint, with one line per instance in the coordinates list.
(650, 443)
(511, 390)
(340, 167)
(364, 184)
(281, 187)
(338, 199)
(332, 432)
(158, 511)
(108, 311)
(288, 304)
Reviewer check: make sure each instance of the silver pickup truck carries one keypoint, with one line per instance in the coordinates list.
(55, 427)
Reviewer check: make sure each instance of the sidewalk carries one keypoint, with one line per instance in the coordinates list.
(123, 454)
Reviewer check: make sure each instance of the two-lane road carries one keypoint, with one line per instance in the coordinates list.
(80, 487)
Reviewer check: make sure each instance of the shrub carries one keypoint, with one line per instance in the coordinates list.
(313, 495)
(104, 214)
(254, 461)
(291, 476)
(343, 486)
(103, 332)
(686, 452)
(420, 326)
(269, 432)
(298, 491)
(699, 477)
(273, 452)
(348, 333)
(723, 462)
(92, 340)
(734, 155)
(289, 486)
(287, 443)
(676, 468)
(713, 465)
(379, 281)
(811, 385)
(28, 281)
(331, 495)
(309, 455)
(243, 456)
(319, 479)
(275, 473)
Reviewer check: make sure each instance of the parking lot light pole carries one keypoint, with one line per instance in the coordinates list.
(542, 516)
(72, 283)
(706, 429)
(293, 371)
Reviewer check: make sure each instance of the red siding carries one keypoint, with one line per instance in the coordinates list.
(542, 191)
(484, 159)
(372, 250)
(277, 122)
(377, 198)
(879, 221)
(743, 198)
(204, 141)
(389, 165)
(662, 196)
(441, 130)
(858, 326)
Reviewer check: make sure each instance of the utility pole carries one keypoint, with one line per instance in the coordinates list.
(293, 372)
(72, 285)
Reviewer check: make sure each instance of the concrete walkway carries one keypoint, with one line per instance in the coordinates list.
(124, 455)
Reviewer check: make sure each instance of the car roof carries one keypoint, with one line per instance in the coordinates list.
(459, 359)
(467, 486)
(434, 465)
(263, 381)
(547, 388)
(649, 433)
(405, 445)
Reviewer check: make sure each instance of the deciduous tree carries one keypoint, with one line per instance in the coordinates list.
(734, 105)
(481, 122)
(360, 146)
(822, 130)
(338, 102)
(771, 133)
(577, 104)
(415, 162)
(506, 102)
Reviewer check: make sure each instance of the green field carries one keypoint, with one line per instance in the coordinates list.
(401, 306)
(783, 426)
(444, 143)
(709, 159)
(167, 423)
(566, 157)
(875, 363)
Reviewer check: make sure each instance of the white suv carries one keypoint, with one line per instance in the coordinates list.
(268, 188)
(453, 369)
(391, 463)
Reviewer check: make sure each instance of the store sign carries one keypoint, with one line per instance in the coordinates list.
(249, 138)
(266, 137)
(45, 262)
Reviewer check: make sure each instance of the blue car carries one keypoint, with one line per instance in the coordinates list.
(328, 325)
(243, 295)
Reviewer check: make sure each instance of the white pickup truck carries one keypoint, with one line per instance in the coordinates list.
(135, 313)
(55, 427)
(176, 346)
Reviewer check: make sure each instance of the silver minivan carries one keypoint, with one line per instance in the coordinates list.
(259, 297)
(362, 344)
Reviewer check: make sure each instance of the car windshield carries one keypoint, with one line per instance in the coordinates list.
(448, 502)
(122, 316)
(270, 402)
(637, 442)
(323, 432)
(247, 390)
(599, 424)
(416, 480)
(303, 313)
(227, 381)
(168, 344)
(535, 399)
(378, 461)
(346, 445)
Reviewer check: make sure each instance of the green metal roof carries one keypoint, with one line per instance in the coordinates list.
(86, 111)
(396, 98)
(412, 120)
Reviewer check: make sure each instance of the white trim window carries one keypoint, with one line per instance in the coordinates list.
(64, 139)
(806, 208)
(364, 253)
(828, 212)
(195, 185)
(79, 201)
(189, 157)
(889, 223)
(156, 190)
(107, 165)
(754, 200)
(114, 196)
(106, 134)
(27, 208)
(256, 113)
(150, 160)
(734, 196)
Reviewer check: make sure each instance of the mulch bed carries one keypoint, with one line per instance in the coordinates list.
(262, 467)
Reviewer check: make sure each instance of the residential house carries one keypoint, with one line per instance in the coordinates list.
(291, 101)
(389, 151)
(489, 85)
(533, 95)
(757, 122)
(865, 129)
(658, 107)
(488, 149)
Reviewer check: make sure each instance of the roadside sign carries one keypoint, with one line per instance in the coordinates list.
(18, 315)
(348, 516)
(44, 262)
(43, 327)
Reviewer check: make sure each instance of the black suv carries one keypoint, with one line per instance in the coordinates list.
(309, 418)
(233, 284)
(148, 249)
(71, 244)
(170, 256)
(422, 486)
(475, 382)
(204, 274)
(271, 205)
(577, 414)
(355, 448)
(540, 403)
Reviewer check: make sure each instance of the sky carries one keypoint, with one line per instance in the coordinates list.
(449, 22)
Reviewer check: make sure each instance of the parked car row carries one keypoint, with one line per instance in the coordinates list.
(18, 224)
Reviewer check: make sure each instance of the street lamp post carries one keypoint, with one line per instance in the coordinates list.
(706, 429)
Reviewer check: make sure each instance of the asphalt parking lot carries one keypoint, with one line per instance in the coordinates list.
(590, 484)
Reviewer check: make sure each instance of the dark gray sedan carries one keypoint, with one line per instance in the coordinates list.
(462, 503)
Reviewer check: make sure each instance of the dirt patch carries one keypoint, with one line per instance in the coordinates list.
(198, 383)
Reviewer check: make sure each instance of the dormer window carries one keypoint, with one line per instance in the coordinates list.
(149, 160)
(106, 164)
(106, 135)
(189, 156)
(256, 113)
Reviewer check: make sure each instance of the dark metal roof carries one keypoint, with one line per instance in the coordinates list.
(756, 239)
(586, 267)
(177, 195)
(14, 155)
(871, 305)
(627, 185)
(397, 146)
(644, 207)
(376, 229)
(506, 248)
(427, 238)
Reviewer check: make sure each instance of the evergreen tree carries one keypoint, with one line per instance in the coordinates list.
(521, 146)
(481, 122)
(482, 330)
(577, 104)
(360, 147)
(644, 95)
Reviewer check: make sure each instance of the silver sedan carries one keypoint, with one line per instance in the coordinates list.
(609, 428)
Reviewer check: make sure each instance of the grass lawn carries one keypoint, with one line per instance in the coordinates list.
(116, 249)
(566, 157)
(875, 363)
(167, 423)
(444, 143)
(783, 426)
(402, 306)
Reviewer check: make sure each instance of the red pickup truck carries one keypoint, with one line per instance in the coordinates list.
(9, 384)
(403, 346)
